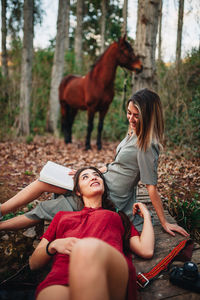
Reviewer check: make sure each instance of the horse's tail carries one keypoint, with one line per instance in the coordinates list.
(63, 84)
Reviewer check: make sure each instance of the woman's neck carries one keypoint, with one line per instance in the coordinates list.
(93, 202)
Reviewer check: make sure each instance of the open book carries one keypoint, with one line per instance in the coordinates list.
(57, 175)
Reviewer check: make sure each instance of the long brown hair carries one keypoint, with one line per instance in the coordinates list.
(106, 204)
(150, 127)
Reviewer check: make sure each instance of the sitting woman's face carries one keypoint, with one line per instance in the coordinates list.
(90, 183)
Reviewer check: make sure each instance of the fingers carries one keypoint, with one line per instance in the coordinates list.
(72, 172)
(170, 228)
(65, 245)
(181, 230)
(140, 209)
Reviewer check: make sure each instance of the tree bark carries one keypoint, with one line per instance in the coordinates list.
(26, 69)
(145, 43)
(78, 35)
(179, 33)
(67, 25)
(57, 70)
(160, 34)
(125, 15)
(103, 24)
(4, 61)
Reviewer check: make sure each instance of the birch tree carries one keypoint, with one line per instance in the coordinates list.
(179, 33)
(26, 69)
(78, 35)
(58, 63)
(3, 39)
(67, 25)
(103, 24)
(125, 15)
(160, 34)
(145, 43)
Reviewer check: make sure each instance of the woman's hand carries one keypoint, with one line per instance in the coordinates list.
(72, 172)
(63, 246)
(140, 209)
(170, 228)
(103, 169)
(143, 245)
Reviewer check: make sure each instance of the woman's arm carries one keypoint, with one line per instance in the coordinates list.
(28, 194)
(143, 245)
(18, 222)
(157, 203)
(40, 257)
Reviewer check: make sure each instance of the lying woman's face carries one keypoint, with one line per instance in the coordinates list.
(90, 183)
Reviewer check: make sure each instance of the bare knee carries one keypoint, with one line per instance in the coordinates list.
(88, 252)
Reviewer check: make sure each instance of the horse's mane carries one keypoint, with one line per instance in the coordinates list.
(129, 47)
(99, 59)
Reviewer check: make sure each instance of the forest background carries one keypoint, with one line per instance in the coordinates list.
(96, 25)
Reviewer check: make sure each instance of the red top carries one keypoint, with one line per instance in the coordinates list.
(89, 222)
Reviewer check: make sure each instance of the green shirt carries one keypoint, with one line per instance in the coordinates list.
(130, 166)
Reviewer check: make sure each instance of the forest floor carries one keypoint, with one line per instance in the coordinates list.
(20, 164)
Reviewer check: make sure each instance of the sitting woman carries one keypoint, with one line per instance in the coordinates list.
(91, 248)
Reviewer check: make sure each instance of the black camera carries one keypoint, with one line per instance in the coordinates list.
(186, 277)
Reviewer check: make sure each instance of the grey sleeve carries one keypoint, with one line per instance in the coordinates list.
(46, 210)
(148, 164)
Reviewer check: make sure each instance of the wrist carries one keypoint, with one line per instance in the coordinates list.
(163, 223)
(50, 250)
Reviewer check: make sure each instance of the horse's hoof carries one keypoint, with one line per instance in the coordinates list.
(99, 147)
(68, 142)
(87, 147)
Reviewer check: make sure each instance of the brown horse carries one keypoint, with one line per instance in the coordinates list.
(95, 91)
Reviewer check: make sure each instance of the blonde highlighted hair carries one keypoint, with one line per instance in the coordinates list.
(150, 128)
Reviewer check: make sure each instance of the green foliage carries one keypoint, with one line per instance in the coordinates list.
(29, 173)
(43, 61)
(186, 210)
(18, 213)
(91, 24)
(180, 94)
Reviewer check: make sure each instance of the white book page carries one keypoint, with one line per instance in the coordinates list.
(56, 174)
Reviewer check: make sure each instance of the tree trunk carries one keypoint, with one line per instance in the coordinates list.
(67, 25)
(78, 35)
(58, 63)
(160, 34)
(145, 43)
(26, 68)
(125, 13)
(4, 62)
(179, 33)
(103, 24)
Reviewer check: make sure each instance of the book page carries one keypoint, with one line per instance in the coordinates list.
(57, 175)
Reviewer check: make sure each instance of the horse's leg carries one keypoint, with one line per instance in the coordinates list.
(89, 129)
(72, 115)
(68, 114)
(65, 121)
(100, 128)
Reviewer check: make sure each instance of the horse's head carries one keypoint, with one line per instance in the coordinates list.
(126, 56)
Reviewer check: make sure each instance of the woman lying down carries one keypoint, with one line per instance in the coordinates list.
(91, 248)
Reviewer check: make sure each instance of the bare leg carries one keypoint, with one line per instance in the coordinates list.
(28, 194)
(58, 292)
(97, 271)
(18, 223)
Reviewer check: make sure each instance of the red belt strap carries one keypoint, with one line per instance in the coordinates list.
(144, 278)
